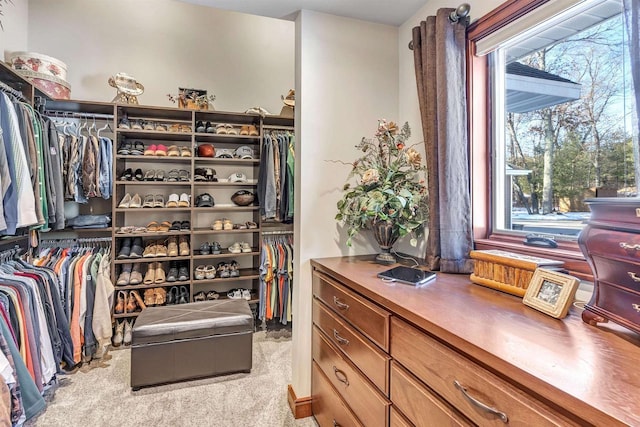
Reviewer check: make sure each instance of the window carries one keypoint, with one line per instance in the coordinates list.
(562, 117)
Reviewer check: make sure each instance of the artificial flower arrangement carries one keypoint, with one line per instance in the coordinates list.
(389, 185)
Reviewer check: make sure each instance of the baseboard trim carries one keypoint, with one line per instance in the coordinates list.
(300, 407)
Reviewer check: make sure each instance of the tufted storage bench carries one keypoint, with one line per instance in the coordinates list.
(187, 341)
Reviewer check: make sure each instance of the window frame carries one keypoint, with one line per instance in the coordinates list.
(480, 137)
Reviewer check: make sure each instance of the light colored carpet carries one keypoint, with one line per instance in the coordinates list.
(102, 396)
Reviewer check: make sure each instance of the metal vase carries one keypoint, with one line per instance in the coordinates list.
(385, 235)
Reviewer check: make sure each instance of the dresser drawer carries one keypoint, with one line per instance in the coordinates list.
(419, 404)
(397, 419)
(478, 394)
(619, 302)
(364, 399)
(621, 273)
(372, 361)
(370, 319)
(327, 406)
(611, 243)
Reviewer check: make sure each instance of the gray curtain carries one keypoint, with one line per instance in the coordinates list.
(440, 63)
(632, 19)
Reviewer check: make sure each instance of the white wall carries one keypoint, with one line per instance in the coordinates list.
(15, 17)
(347, 79)
(245, 60)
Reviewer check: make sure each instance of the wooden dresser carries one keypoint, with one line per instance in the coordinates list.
(611, 244)
(455, 353)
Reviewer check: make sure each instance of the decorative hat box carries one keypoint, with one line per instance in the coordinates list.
(46, 73)
(506, 271)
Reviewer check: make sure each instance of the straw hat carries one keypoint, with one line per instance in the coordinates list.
(126, 84)
(290, 99)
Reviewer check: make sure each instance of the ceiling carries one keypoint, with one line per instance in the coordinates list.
(394, 12)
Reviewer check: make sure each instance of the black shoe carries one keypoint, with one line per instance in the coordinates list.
(210, 128)
(205, 249)
(126, 175)
(125, 248)
(183, 272)
(200, 128)
(185, 226)
(183, 295)
(136, 248)
(172, 295)
(138, 175)
(175, 226)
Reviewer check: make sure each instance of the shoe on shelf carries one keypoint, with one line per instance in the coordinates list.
(118, 336)
(128, 329)
(200, 296)
(136, 201)
(161, 249)
(127, 175)
(137, 298)
(183, 271)
(234, 294)
(217, 225)
(215, 248)
(212, 295)
(185, 226)
(221, 129)
(172, 274)
(199, 272)
(150, 250)
(205, 248)
(136, 248)
(210, 128)
(231, 130)
(200, 127)
(223, 270)
(149, 297)
(138, 175)
(185, 152)
(125, 202)
(246, 294)
(235, 248)
(173, 151)
(148, 201)
(124, 149)
(183, 295)
(130, 306)
(150, 276)
(172, 295)
(158, 201)
(161, 150)
(184, 200)
(125, 248)
(136, 274)
(172, 246)
(149, 175)
(183, 243)
(150, 150)
(173, 200)
(251, 225)
(175, 226)
(209, 272)
(164, 227)
(124, 278)
(245, 247)
(152, 227)
(244, 130)
(253, 131)
(137, 149)
(124, 122)
(234, 271)
(227, 224)
(161, 296)
(159, 274)
(121, 299)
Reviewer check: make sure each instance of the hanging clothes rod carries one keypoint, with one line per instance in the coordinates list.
(461, 13)
(279, 232)
(12, 91)
(72, 115)
(269, 127)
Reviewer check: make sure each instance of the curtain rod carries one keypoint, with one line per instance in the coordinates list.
(73, 115)
(461, 12)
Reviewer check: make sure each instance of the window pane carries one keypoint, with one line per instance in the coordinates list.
(564, 122)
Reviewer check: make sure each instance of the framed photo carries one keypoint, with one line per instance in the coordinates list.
(551, 292)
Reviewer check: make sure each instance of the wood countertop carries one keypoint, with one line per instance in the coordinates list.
(591, 371)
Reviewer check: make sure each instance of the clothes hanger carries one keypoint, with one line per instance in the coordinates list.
(105, 127)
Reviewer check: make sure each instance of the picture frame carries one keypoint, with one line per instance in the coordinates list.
(551, 292)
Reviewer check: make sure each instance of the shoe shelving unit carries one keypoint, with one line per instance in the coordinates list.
(201, 218)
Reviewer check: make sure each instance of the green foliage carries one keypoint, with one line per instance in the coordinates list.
(389, 185)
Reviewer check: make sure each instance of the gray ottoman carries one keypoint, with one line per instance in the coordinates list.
(187, 341)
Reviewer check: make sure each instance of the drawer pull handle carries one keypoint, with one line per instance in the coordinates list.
(340, 304)
(633, 276)
(341, 376)
(340, 339)
(479, 404)
(625, 245)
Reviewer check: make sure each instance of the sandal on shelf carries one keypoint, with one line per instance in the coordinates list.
(217, 225)
(173, 175)
(173, 201)
(161, 127)
(160, 276)
(221, 129)
(173, 151)
(244, 130)
(164, 226)
(185, 152)
(148, 201)
(159, 175)
(184, 200)
(161, 150)
(152, 227)
(231, 130)
(148, 175)
(251, 225)
(183, 175)
(138, 175)
(227, 224)
(158, 201)
(150, 150)
(253, 131)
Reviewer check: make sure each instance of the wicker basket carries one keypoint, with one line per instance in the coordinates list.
(506, 271)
